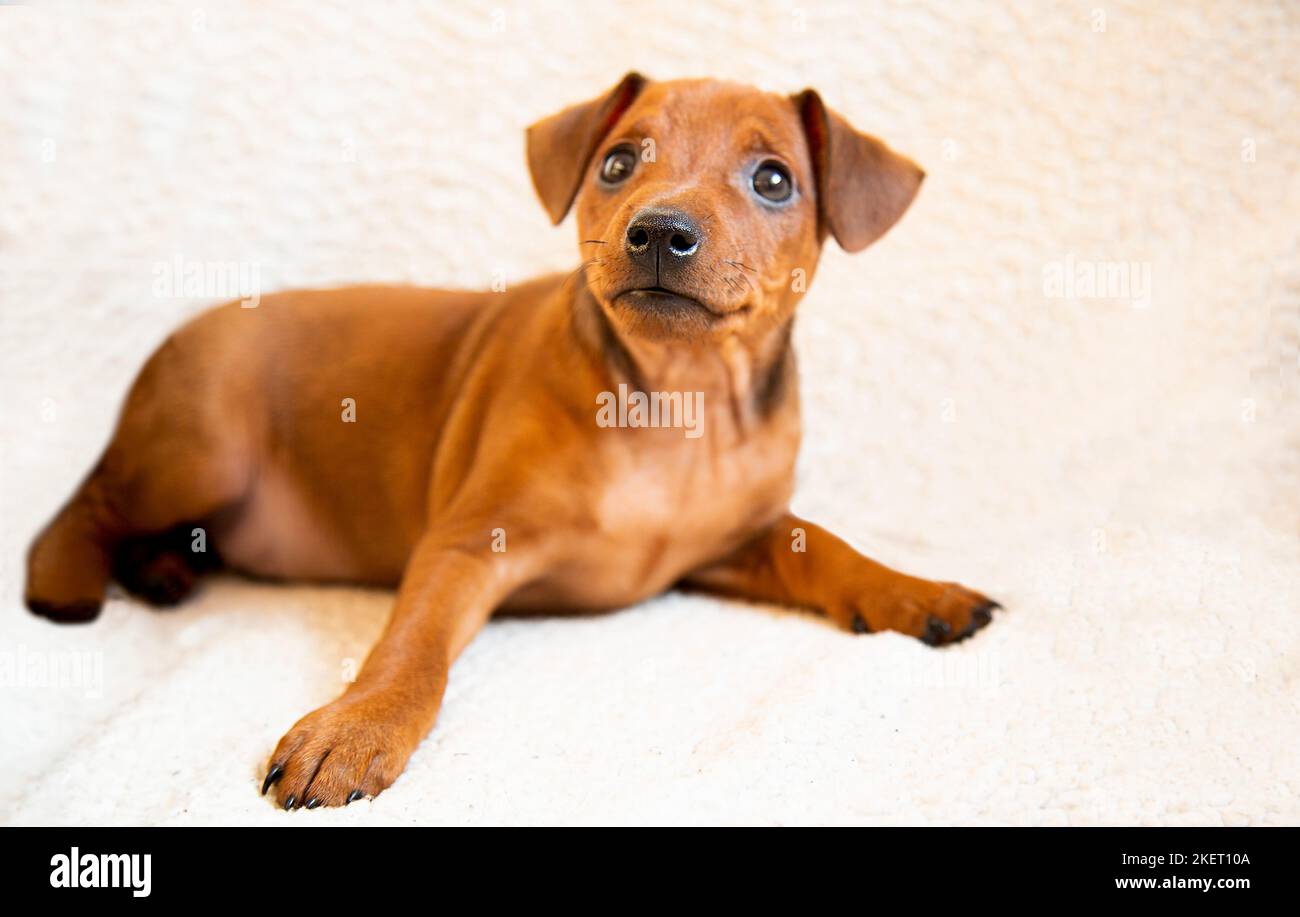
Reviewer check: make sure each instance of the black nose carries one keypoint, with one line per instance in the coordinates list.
(657, 232)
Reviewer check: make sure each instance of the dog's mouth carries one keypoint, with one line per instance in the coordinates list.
(665, 302)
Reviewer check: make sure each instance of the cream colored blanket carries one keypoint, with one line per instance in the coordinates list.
(1068, 378)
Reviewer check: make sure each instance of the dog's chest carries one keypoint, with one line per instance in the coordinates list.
(692, 486)
(664, 507)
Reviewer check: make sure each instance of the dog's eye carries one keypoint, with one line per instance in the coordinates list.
(618, 165)
(772, 182)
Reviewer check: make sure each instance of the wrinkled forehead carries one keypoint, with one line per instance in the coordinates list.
(694, 121)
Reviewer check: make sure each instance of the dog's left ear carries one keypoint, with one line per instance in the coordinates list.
(863, 186)
(561, 146)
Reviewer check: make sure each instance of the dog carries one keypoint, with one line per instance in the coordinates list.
(469, 447)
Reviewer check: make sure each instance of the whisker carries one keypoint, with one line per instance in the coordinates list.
(730, 280)
(579, 269)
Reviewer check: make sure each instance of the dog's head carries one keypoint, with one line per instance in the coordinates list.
(702, 206)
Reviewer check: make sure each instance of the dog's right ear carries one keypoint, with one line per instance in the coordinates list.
(560, 147)
(863, 186)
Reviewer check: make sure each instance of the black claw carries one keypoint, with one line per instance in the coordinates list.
(860, 625)
(274, 774)
(936, 631)
(313, 802)
(288, 803)
(982, 615)
(354, 796)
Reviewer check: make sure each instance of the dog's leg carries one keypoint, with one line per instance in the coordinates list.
(359, 744)
(163, 569)
(171, 460)
(797, 563)
(134, 491)
(69, 561)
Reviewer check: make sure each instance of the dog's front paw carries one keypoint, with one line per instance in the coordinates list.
(338, 754)
(935, 613)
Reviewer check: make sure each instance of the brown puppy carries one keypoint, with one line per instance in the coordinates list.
(500, 450)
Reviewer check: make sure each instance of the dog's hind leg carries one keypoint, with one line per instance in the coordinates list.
(68, 564)
(126, 522)
(175, 457)
(163, 569)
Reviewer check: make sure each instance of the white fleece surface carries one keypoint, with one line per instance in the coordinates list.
(1122, 475)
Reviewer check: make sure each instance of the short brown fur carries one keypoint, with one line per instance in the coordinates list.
(475, 415)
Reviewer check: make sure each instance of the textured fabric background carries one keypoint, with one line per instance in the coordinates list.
(1122, 475)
